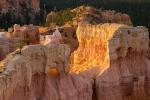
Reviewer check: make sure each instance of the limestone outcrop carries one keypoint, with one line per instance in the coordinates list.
(90, 15)
(68, 35)
(114, 56)
(110, 63)
(33, 82)
(11, 40)
(29, 32)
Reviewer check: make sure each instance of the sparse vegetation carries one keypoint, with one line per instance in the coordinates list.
(62, 17)
(137, 10)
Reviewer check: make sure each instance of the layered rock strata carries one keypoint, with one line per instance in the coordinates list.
(17, 36)
(26, 76)
(109, 64)
(114, 56)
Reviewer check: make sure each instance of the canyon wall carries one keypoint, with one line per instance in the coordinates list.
(30, 70)
(109, 64)
(17, 37)
(106, 42)
(114, 56)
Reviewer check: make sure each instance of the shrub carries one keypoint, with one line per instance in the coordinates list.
(62, 17)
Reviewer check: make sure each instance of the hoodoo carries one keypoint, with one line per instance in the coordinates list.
(109, 64)
(114, 56)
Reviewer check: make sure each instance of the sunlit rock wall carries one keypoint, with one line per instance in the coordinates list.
(109, 64)
(114, 56)
(93, 47)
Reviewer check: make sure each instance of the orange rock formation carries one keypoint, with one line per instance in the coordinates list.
(93, 47)
(109, 64)
(114, 56)
(87, 14)
(100, 44)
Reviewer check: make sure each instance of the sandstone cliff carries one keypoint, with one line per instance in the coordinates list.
(109, 64)
(90, 15)
(110, 41)
(87, 14)
(114, 56)
(33, 82)
(17, 36)
(68, 34)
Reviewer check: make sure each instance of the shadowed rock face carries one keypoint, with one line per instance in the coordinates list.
(10, 41)
(109, 64)
(4, 45)
(6, 4)
(19, 11)
(29, 32)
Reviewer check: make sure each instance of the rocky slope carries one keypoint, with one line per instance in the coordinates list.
(109, 64)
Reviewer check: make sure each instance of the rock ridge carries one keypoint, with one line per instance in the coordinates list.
(109, 64)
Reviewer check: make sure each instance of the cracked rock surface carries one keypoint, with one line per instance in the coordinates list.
(109, 64)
